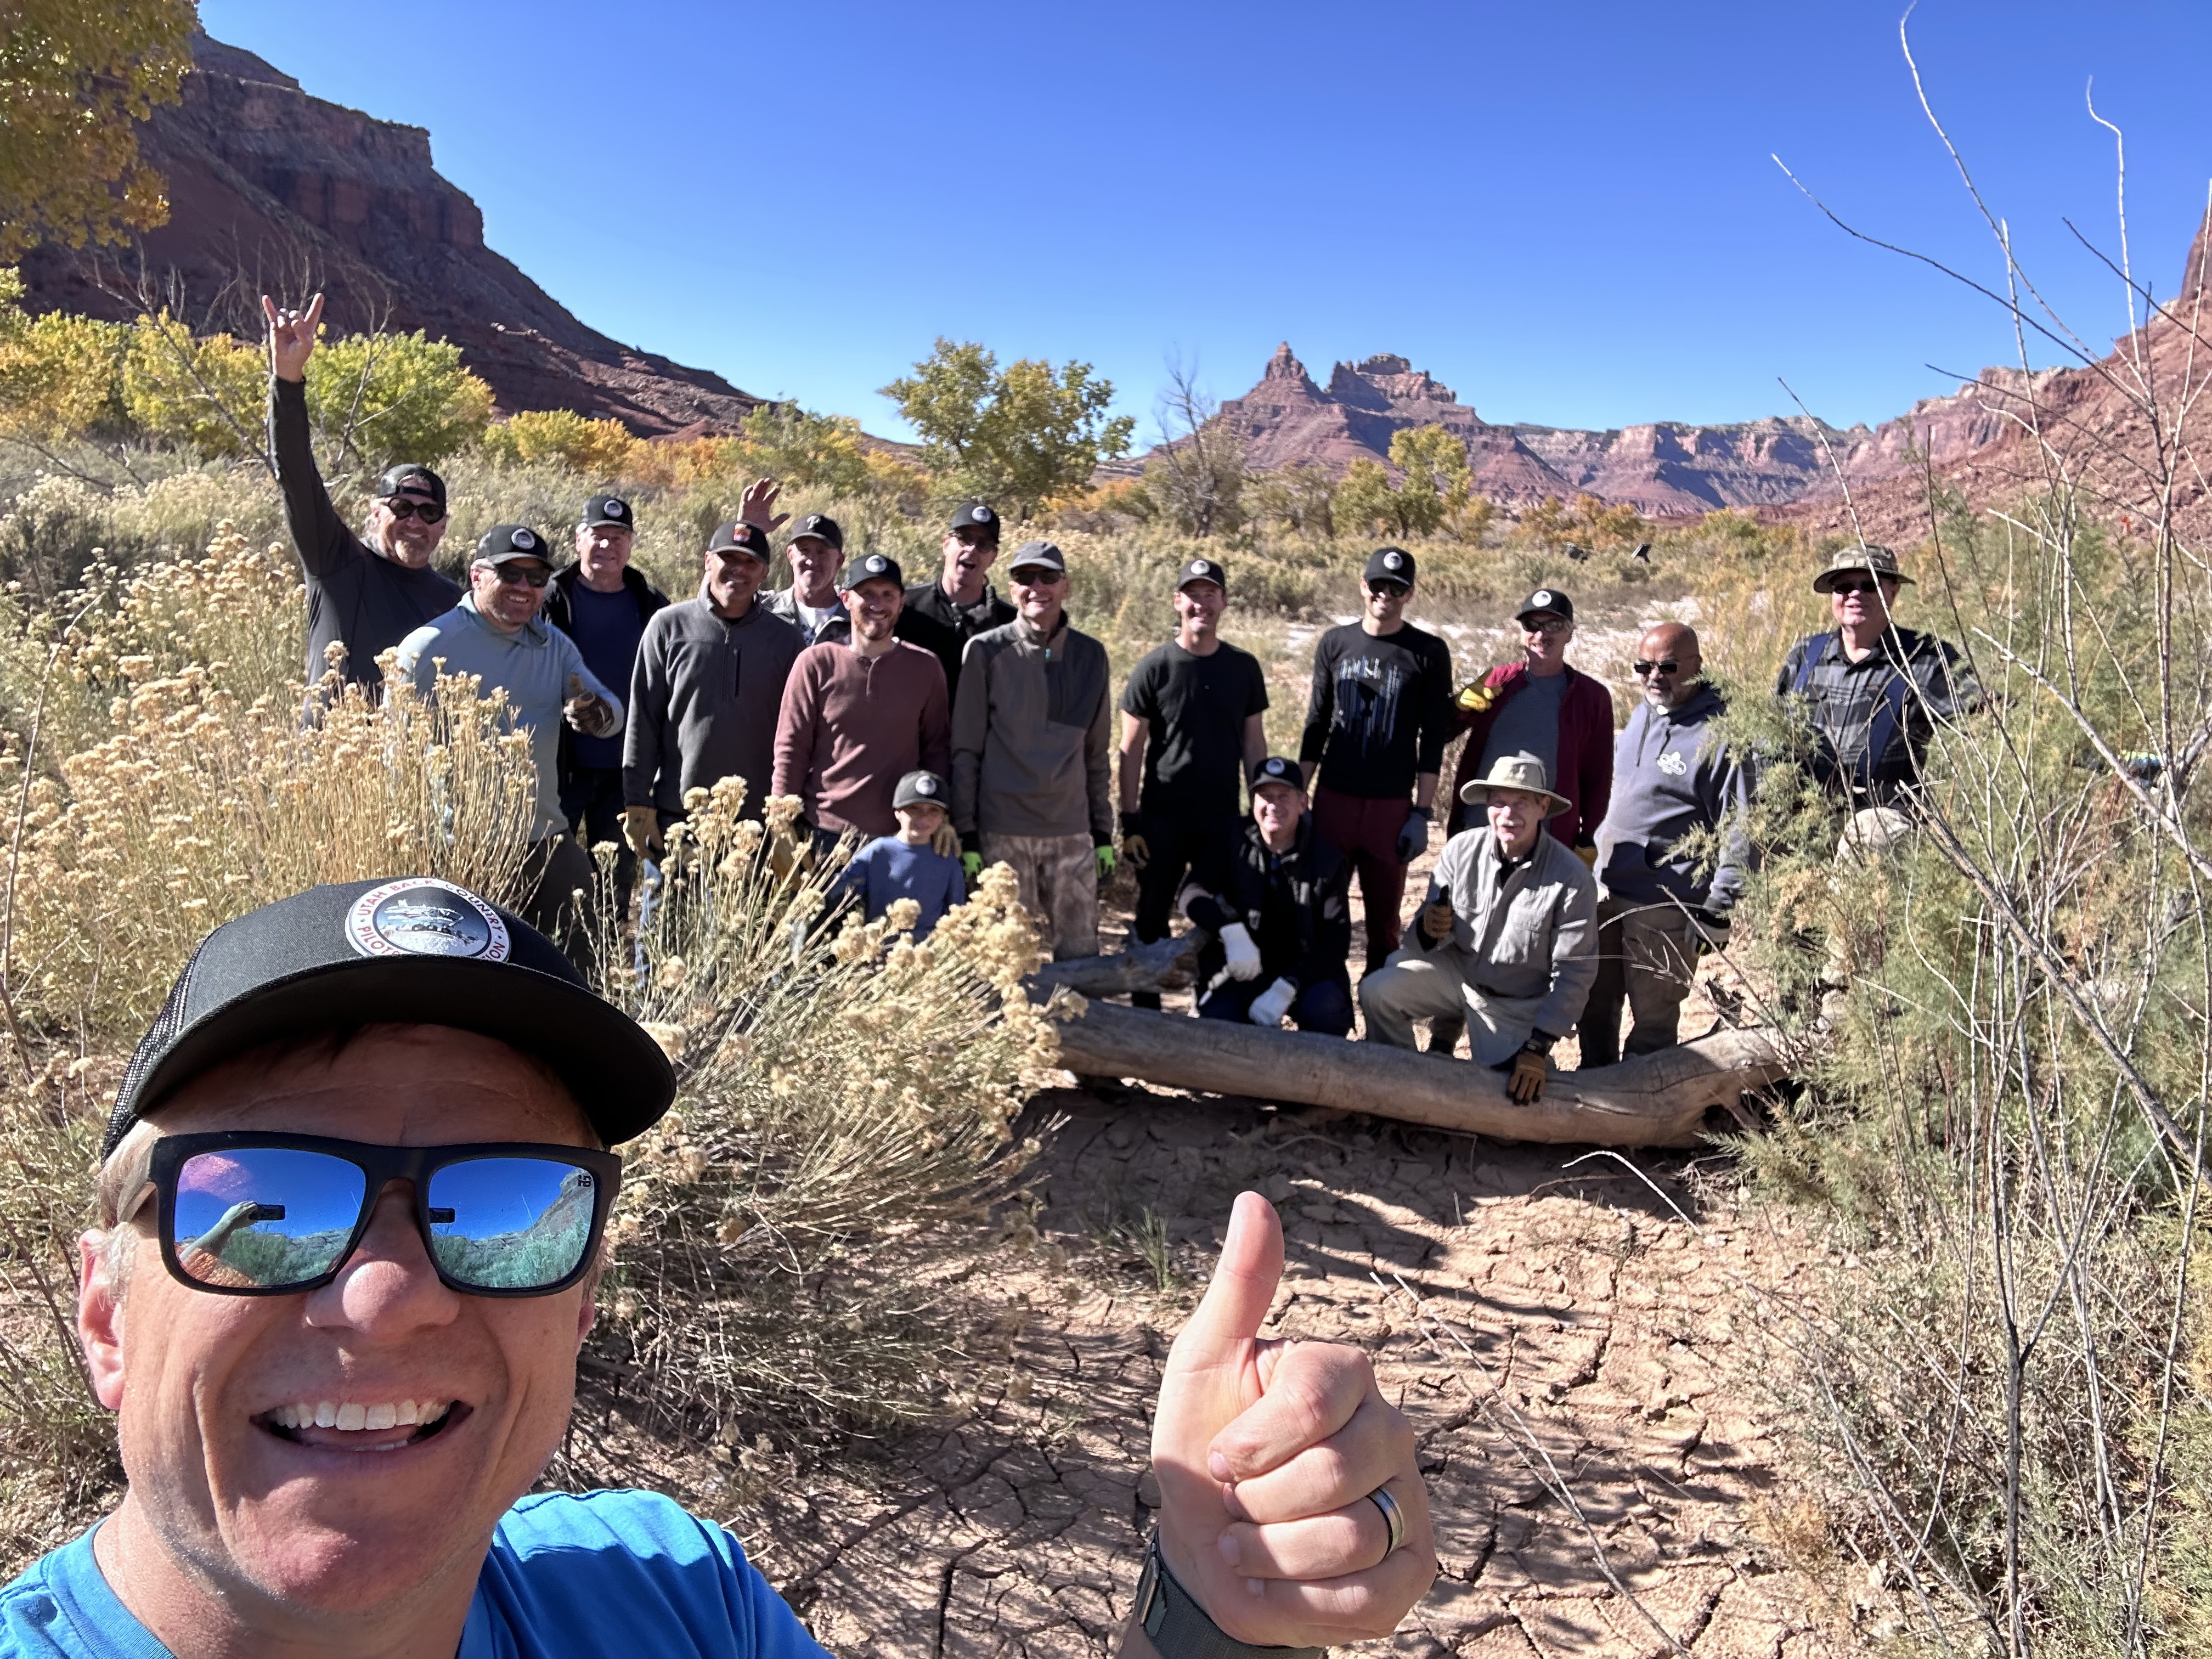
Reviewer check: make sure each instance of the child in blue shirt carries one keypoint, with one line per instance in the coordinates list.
(906, 865)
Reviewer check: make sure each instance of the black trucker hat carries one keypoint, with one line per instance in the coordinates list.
(821, 527)
(415, 950)
(975, 515)
(1278, 769)
(734, 536)
(414, 476)
(1390, 564)
(1202, 570)
(1544, 599)
(871, 567)
(503, 542)
(608, 509)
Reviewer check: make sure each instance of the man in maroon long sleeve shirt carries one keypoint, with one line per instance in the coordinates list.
(859, 713)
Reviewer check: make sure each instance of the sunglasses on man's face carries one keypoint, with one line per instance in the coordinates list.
(1842, 588)
(244, 1214)
(1545, 624)
(1662, 668)
(400, 507)
(1031, 576)
(1389, 590)
(536, 576)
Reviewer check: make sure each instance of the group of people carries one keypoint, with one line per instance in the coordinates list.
(941, 727)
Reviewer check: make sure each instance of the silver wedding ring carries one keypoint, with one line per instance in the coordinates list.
(1393, 1517)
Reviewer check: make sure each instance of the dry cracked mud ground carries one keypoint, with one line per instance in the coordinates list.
(1565, 1339)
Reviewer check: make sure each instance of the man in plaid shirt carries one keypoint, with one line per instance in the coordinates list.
(1877, 691)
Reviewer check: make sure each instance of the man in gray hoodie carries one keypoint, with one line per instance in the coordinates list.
(1032, 729)
(496, 634)
(1664, 904)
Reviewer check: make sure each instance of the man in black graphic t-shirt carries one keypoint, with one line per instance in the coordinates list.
(1191, 726)
(1376, 729)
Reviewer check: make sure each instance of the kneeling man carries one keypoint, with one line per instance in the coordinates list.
(1505, 941)
(351, 1199)
(1277, 899)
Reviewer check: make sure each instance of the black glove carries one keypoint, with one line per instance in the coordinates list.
(1413, 838)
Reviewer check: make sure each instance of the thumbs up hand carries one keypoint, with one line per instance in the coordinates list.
(1266, 1452)
(587, 712)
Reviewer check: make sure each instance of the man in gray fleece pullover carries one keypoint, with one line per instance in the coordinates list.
(1032, 729)
(1663, 904)
(495, 634)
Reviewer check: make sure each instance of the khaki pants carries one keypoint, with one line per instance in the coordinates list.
(1059, 876)
(1647, 954)
(1434, 986)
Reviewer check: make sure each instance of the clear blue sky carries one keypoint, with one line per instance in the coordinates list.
(1566, 212)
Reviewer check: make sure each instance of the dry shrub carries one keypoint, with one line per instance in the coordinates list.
(843, 1100)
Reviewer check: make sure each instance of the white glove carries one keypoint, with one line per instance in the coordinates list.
(1271, 1004)
(1244, 955)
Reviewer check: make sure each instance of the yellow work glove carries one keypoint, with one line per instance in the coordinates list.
(1525, 1076)
(1136, 850)
(641, 830)
(1588, 855)
(1437, 919)
(945, 840)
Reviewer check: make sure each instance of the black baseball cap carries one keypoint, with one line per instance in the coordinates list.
(503, 542)
(921, 789)
(822, 527)
(1546, 598)
(1390, 564)
(413, 477)
(414, 951)
(1202, 570)
(869, 567)
(734, 536)
(608, 509)
(975, 515)
(1044, 555)
(1276, 769)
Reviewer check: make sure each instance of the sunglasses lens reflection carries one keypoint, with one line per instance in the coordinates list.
(510, 1224)
(264, 1217)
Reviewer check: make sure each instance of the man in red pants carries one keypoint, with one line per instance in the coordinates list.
(1376, 729)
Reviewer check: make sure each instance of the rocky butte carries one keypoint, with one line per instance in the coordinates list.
(270, 188)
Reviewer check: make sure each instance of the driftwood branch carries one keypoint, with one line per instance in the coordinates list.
(1651, 1100)
(1165, 964)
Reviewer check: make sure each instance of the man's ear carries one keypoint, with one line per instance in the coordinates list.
(99, 1315)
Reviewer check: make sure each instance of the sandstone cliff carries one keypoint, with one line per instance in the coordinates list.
(271, 187)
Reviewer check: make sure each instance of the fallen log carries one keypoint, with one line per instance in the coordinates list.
(1165, 964)
(1651, 1100)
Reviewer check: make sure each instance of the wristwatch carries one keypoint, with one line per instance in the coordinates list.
(1179, 1628)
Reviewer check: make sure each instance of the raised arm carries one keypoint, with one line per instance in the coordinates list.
(318, 535)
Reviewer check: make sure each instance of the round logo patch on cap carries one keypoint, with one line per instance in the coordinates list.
(876, 565)
(522, 538)
(1392, 562)
(1200, 567)
(925, 785)
(420, 916)
(617, 508)
(980, 514)
(1541, 597)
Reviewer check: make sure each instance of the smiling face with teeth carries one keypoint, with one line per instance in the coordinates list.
(342, 1454)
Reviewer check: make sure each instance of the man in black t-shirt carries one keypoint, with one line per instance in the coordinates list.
(944, 614)
(1191, 727)
(1376, 729)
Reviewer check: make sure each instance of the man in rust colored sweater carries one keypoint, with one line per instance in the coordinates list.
(860, 714)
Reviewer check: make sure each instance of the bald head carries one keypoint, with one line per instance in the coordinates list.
(1663, 644)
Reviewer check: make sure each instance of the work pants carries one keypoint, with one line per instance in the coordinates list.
(1647, 953)
(554, 872)
(1059, 877)
(1172, 846)
(592, 801)
(1440, 986)
(1366, 832)
(1324, 1006)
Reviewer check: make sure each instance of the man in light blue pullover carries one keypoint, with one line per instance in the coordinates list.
(494, 633)
(1663, 904)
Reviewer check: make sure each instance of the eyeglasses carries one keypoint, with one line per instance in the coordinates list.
(1868, 587)
(1662, 668)
(244, 1214)
(511, 572)
(1545, 624)
(1031, 576)
(400, 507)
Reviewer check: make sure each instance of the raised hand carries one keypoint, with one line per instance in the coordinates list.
(1266, 1453)
(759, 501)
(291, 336)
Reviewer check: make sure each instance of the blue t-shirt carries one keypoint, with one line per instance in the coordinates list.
(584, 1575)
(888, 868)
(606, 628)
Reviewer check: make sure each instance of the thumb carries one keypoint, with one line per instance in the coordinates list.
(1243, 1289)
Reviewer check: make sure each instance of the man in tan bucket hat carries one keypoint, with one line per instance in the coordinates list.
(1506, 941)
